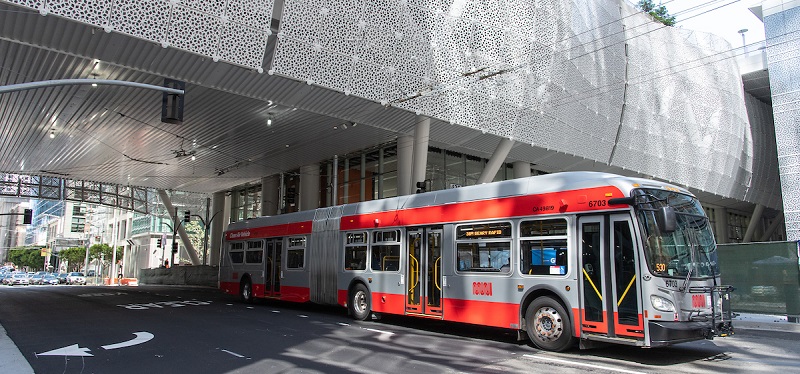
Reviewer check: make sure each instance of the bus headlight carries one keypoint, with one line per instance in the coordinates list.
(662, 304)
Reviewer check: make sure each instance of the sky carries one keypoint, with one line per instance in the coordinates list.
(726, 21)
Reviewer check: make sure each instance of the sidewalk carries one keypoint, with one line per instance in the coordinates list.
(764, 322)
(11, 359)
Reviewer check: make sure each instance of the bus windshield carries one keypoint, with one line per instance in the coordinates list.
(688, 252)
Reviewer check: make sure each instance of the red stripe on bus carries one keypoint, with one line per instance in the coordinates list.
(485, 313)
(620, 329)
(388, 302)
(548, 203)
(295, 294)
(297, 228)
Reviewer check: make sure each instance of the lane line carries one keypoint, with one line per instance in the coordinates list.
(231, 353)
(567, 362)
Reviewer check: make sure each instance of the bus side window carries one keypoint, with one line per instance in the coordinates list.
(355, 258)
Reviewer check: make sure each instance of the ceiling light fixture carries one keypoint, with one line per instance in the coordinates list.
(52, 133)
(269, 120)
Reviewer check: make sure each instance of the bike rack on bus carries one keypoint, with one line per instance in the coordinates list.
(720, 319)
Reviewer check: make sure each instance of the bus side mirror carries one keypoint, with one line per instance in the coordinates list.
(666, 220)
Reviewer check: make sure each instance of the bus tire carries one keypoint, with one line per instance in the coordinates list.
(359, 304)
(246, 290)
(548, 325)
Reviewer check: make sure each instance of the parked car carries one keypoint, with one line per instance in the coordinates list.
(49, 279)
(76, 278)
(8, 278)
(62, 278)
(35, 279)
(20, 278)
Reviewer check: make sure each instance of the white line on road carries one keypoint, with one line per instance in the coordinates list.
(302, 316)
(231, 353)
(141, 337)
(385, 335)
(567, 362)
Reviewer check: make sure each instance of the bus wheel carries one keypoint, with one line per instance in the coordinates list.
(359, 302)
(246, 290)
(548, 325)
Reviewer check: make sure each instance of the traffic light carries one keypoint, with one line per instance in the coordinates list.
(172, 104)
(174, 247)
(27, 216)
(158, 243)
(187, 216)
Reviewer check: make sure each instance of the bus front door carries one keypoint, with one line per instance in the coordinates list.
(609, 290)
(272, 268)
(424, 271)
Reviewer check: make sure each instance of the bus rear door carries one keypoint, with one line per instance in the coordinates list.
(610, 292)
(424, 271)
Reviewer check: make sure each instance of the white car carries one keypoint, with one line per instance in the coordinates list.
(76, 278)
(19, 278)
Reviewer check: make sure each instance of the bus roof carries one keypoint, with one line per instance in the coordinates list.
(535, 185)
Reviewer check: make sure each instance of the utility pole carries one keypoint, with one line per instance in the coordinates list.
(174, 233)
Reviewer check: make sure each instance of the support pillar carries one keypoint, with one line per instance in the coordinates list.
(187, 244)
(421, 139)
(498, 157)
(309, 187)
(522, 169)
(721, 225)
(755, 221)
(772, 227)
(405, 157)
(217, 211)
(270, 195)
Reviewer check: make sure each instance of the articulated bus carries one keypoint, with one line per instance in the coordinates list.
(583, 257)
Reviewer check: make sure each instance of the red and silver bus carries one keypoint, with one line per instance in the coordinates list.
(561, 258)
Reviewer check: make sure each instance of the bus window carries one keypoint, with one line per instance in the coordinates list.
(484, 247)
(236, 253)
(385, 251)
(237, 257)
(295, 254)
(484, 257)
(355, 251)
(543, 257)
(543, 247)
(255, 252)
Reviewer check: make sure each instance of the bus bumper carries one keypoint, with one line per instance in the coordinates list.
(664, 333)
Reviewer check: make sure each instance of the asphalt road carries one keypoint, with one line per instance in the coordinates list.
(168, 329)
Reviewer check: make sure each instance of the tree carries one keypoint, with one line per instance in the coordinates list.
(27, 257)
(658, 12)
(75, 257)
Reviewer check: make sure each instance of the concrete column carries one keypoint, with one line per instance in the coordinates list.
(270, 195)
(498, 157)
(755, 221)
(421, 138)
(309, 187)
(522, 169)
(217, 224)
(405, 157)
(721, 225)
(772, 227)
(187, 244)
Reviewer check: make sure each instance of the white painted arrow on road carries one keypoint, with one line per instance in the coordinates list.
(141, 337)
(72, 350)
(75, 350)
